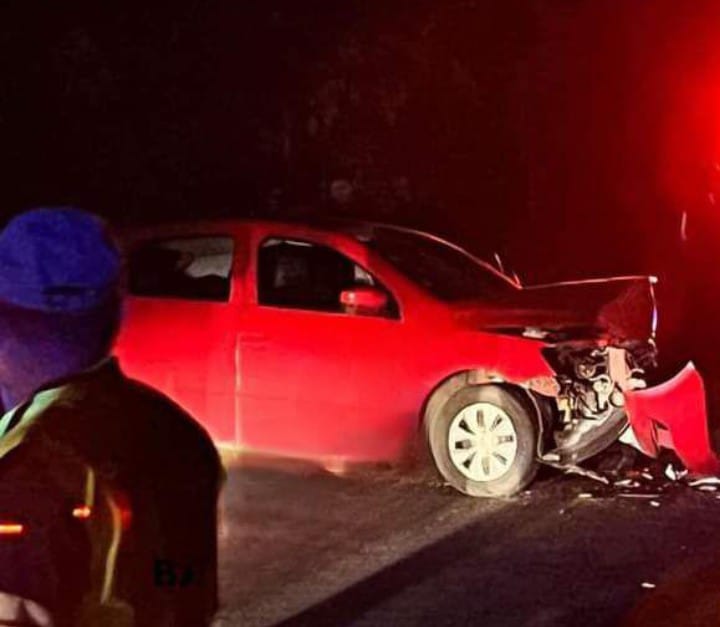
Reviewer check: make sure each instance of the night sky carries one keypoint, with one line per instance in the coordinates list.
(569, 136)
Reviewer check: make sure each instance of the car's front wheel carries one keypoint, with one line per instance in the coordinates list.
(484, 441)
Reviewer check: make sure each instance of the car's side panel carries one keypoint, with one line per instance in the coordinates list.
(318, 384)
(187, 349)
(303, 390)
(311, 384)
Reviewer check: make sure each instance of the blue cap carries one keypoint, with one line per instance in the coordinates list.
(58, 260)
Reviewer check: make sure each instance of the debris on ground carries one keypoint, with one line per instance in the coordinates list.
(617, 458)
(627, 483)
(704, 481)
(630, 475)
(579, 470)
(675, 473)
(648, 585)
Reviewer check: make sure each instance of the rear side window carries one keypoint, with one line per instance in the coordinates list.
(190, 268)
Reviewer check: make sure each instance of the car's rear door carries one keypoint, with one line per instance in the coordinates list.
(179, 332)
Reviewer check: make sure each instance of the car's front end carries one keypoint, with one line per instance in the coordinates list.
(591, 345)
(599, 338)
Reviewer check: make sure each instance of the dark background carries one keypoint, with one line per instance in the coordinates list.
(568, 135)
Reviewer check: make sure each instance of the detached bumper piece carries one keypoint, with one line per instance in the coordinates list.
(673, 416)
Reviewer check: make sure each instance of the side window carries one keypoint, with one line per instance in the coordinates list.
(191, 268)
(300, 275)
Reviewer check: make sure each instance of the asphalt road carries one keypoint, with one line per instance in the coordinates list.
(302, 547)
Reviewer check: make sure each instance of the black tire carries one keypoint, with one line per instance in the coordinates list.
(523, 468)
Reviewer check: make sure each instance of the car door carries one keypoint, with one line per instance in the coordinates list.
(178, 334)
(302, 385)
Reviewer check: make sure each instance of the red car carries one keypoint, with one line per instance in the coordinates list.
(353, 341)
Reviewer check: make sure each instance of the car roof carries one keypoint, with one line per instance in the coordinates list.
(362, 230)
(332, 224)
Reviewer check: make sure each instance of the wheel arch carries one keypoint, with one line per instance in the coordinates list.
(456, 382)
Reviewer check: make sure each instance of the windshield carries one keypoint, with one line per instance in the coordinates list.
(449, 273)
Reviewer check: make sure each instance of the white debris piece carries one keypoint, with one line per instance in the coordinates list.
(704, 481)
(647, 475)
(675, 474)
(585, 495)
(655, 503)
(708, 488)
(636, 495)
(648, 585)
(627, 483)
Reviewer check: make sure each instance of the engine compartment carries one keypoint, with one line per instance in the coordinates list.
(590, 405)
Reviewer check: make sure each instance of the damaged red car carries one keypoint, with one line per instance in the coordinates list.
(356, 341)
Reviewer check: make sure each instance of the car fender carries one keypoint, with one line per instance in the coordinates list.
(456, 382)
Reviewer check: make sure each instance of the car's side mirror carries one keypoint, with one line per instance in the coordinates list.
(364, 299)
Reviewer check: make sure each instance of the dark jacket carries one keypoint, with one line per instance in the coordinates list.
(157, 477)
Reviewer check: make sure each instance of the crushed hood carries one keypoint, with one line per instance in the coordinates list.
(617, 309)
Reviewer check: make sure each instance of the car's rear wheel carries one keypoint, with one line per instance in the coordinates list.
(484, 441)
